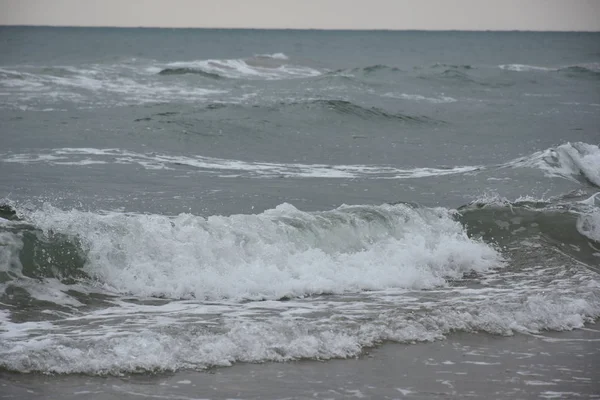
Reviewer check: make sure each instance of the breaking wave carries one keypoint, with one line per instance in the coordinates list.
(283, 252)
(590, 70)
(576, 161)
(316, 262)
(269, 67)
(89, 156)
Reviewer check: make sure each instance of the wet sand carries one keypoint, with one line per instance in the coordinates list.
(563, 365)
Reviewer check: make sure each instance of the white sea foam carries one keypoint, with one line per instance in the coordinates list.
(270, 67)
(418, 97)
(281, 253)
(588, 224)
(94, 85)
(277, 56)
(130, 337)
(392, 251)
(569, 160)
(10, 245)
(524, 67)
(89, 156)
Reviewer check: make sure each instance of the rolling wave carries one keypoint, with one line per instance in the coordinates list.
(524, 67)
(352, 109)
(285, 252)
(588, 225)
(453, 66)
(417, 97)
(185, 71)
(267, 67)
(589, 70)
(576, 161)
(363, 71)
(561, 224)
(316, 262)
(582, 71)
(93, 85)
(281, 253)
(89, 156)
(462, 76)
(338, 106)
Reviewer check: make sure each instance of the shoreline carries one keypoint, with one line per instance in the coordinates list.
(551, 365)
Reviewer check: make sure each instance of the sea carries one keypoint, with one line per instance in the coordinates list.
(186, 212)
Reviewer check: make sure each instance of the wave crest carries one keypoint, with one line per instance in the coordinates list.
(283, 252)
(268, 67)
(576, 161)
(185, 71)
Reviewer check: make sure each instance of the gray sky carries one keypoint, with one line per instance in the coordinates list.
(317, 14)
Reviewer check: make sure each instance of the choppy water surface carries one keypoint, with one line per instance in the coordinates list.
(183, 199)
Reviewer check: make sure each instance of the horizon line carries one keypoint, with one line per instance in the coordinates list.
(293, 29)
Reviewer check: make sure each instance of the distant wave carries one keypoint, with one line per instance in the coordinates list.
(379, 67)
(266, 66)
(349, 108)
(94, 85)
(582, 71)
(276, 56)
(224, 167)
(184, 71)
(463, 76)
(574, 161)
(453, 66)
(363, 72)
(418, 97)
(591, 70)
(342, 107)
(455, 74)
(523, 67)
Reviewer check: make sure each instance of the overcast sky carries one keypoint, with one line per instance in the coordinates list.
(310, 14)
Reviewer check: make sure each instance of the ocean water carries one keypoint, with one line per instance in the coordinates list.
(177, 200)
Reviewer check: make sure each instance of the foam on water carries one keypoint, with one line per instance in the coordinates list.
(89, 156)
(269, 66)
(93, 85)
(352, 278)
(569, 160)
(177, 335)
(10, 244)
(277, 56)
(524, 67)
(283, 252)
(575, 70)
(418, 97)
(588, 224)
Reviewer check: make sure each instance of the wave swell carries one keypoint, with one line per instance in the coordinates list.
(576, 161)
(269, 67)
(90, 156)
(589, 70)
(282, 253)
(316, 262)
